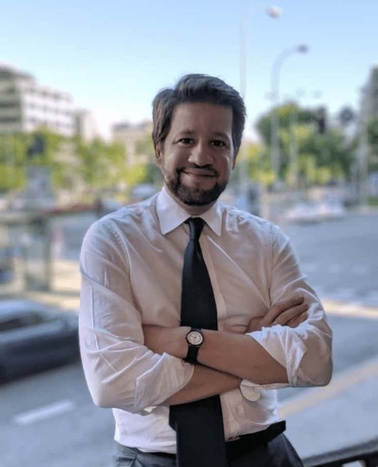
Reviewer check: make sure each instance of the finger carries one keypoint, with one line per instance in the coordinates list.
(280, 307)
(298, 320)
(290, 314)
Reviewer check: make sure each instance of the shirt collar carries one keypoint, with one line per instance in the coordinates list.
(171, 214)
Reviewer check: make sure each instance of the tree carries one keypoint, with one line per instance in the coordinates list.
(321, 157)
(372, 135)
(12, 161)
(285, 113)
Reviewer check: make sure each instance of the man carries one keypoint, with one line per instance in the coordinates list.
(270, 329)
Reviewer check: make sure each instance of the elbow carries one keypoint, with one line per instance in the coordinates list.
(110, 392)
(103, 397)
(107, 397)
(326, 374)
(320, 374)
(324, 365)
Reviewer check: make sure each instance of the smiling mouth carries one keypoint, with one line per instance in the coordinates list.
(199, 172)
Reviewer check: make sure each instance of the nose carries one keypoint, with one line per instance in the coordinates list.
(200, 155)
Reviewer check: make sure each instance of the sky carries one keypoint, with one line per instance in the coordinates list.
(114, 56)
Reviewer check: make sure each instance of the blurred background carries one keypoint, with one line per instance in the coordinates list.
(76, 84)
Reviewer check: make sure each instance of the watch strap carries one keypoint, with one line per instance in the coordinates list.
(191, 356)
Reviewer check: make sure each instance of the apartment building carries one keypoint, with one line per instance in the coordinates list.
(26, 105)
(129, 135)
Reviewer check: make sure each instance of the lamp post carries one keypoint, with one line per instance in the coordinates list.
(275, 81)
(273, 12)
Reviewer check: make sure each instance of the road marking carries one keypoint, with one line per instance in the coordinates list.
(360, 270)
(349, 309)
(44, 412)
(339, 384)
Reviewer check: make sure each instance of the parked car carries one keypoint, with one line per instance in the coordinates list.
(303, 213)
(35, 337)
(332, 209)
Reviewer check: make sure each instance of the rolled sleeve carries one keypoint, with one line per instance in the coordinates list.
(164, 381)
(284, 346)
(121, 372)
(305, 351)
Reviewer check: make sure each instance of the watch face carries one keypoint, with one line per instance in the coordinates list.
(195, 338)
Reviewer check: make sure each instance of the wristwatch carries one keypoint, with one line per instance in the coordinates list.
(195, 339)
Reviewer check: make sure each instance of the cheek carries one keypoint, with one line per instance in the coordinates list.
(169, 164)
(226, 165)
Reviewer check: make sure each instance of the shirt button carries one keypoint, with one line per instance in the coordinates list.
(250, 393)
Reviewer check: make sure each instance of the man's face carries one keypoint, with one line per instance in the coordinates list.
(197, 155)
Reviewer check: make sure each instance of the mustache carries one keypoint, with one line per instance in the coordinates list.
(206, 168)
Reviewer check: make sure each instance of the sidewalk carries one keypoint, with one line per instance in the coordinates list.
(320, 419)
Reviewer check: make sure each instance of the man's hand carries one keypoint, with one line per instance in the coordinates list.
(291, 312)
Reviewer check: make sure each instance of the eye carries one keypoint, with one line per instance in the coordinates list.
(218, 143)
(186, 141)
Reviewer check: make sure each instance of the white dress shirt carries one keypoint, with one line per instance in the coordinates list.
(131, 265)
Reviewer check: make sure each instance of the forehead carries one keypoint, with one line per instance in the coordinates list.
(197, 116)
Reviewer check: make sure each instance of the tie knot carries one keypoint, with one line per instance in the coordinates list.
(195, 225)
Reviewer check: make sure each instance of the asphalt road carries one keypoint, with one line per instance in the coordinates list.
(340, 257)
(49, 418)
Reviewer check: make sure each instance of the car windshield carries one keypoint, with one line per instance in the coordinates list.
(25, 320)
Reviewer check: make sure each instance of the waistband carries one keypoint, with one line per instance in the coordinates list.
(245, 443)
(234, 448)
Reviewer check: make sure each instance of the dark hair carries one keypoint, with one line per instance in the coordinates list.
(197, 88)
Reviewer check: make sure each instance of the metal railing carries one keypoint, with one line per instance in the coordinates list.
(366, 454)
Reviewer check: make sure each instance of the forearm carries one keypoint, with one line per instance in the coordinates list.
(241, 356)
(204, 383)
(235, 354)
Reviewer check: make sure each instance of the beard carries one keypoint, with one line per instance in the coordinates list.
(193, 197)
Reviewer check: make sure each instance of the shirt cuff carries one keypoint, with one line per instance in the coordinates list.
(283, 344)
(166, 378)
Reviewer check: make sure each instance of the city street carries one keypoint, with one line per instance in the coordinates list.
(49, 418)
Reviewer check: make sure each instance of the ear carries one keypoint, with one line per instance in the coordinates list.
(233, 162)
(159, 154)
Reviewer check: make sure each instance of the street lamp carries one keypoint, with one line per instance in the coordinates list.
(275, 81)
(273, 12)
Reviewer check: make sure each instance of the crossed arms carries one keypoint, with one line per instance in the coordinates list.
(226, 357)
(132, 366)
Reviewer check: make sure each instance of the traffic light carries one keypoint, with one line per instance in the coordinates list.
(36, 146)
(321, 120)
(346, 116)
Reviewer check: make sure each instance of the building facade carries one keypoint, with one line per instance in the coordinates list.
(85, 125)
(26, 105)
(130, 135)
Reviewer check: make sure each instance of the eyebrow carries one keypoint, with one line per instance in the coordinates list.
(219, 134)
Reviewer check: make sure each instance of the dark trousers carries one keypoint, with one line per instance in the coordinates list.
(277, 453)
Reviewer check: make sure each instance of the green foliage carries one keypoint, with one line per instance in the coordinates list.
(372, 135)
(318, 158)
(145, 147)
(75, 164)
(285, 114)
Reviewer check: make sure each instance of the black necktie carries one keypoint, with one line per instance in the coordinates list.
(198, 425)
